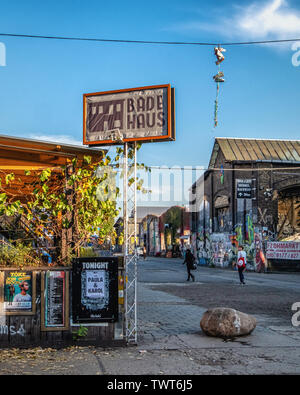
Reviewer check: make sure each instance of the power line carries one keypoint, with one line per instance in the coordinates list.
(145, 41)
(203, 168)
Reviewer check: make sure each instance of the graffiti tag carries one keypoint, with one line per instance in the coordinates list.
(262, 215)
(5, 330)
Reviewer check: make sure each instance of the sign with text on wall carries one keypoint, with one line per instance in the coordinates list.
(244, 189)
(55, 300)
(283, 250)
(138, 114)
(95, 290)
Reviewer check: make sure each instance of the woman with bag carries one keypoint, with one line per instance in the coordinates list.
(190, 264)
(241, 263)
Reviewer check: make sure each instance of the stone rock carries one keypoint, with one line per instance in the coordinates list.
(227, 323)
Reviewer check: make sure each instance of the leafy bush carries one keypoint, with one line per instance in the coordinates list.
(80, 333)
(87, 252)
(18, 254)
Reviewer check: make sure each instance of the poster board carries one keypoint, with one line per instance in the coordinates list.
(18, 292)
(95, 290)
(145, 114)
(55, 300)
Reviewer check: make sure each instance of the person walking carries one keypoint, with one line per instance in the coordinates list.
(234, 252)
(241, 263)
(189, 260)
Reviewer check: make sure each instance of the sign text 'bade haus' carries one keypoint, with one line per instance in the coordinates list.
(138, 114)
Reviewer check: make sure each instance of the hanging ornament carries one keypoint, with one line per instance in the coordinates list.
(218, 78)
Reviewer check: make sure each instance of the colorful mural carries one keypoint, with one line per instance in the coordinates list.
(249, 229)
(219, 249)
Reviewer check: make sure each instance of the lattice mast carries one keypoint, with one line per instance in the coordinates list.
(130, 240)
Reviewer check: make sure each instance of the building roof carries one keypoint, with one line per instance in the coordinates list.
(143, 211)
(252, 150)
(20, 153)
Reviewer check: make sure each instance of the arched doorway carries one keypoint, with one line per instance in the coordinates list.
(289, 212)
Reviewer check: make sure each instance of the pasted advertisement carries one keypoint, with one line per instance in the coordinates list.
(283, 250)
(55, 298)
(18, 291)
(95, 289)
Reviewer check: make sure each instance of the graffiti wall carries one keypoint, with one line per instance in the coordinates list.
(220, 246)
(220, 249)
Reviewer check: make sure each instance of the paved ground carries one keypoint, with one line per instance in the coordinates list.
(170, 339)
(170, 310)
(269, 294)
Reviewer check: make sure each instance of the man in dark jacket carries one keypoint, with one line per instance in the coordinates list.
(189, 261)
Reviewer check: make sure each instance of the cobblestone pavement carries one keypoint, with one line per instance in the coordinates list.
(170, 340)
(162, 314)
(164, 292)
(170, 309)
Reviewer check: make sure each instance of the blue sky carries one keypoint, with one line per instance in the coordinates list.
(42, 84)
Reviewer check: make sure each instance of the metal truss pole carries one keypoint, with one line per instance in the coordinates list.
(130, 241)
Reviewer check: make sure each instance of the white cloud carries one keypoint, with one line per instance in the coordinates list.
(272, 19)
(64, 139)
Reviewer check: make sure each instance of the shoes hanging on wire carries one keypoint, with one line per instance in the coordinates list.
(218, 78)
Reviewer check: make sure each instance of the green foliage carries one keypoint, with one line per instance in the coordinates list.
(9, 177)
(87, 252)
(174, 220)
(81, 197)
(18, 254)
(80, 333)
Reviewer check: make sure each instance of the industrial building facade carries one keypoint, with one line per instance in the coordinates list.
(249, 195)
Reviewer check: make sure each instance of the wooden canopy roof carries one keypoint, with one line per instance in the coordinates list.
(18, 155)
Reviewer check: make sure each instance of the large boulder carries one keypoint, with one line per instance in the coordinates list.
(227, 323)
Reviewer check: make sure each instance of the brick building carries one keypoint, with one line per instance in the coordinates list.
(148, 228)
(154, 229)
(249, 195)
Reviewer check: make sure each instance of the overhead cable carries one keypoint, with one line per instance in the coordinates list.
(124, 41)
